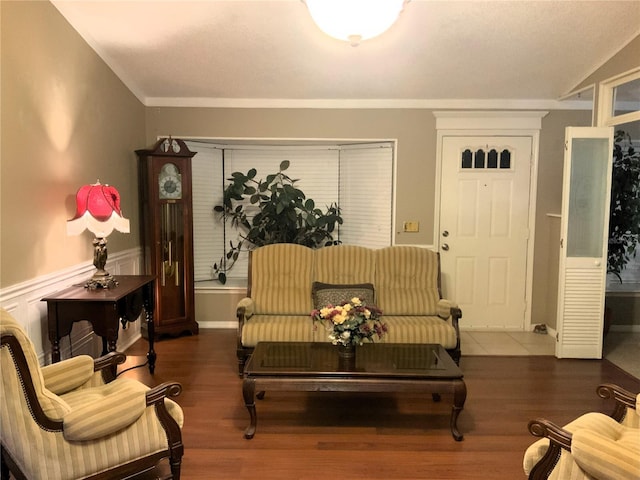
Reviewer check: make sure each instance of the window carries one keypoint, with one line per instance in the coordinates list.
(359, 178)
(619, 99)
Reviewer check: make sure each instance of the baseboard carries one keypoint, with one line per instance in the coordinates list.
(212, 325)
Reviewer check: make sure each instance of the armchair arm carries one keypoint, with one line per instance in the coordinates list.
(156, 396)
(158, 393)
(541, 427)
(108, 364)
(67, 375)
(624, 399)
(559, 439)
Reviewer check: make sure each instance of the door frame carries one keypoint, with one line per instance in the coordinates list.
(491, 124)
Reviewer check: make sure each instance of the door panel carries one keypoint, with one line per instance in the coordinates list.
(484, 219)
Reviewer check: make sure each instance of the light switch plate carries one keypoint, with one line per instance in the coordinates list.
(411, 226)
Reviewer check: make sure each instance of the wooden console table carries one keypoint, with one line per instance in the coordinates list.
(104, 309)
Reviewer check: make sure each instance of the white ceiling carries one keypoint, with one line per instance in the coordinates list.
(269, 53)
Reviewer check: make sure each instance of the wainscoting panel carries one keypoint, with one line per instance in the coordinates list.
(24, 302)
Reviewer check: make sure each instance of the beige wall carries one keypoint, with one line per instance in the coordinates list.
(414, 130)
(67, 120)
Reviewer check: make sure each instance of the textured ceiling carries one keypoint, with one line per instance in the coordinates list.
(246, 53)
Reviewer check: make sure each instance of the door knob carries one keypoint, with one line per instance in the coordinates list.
(445, 233)
(445, 247)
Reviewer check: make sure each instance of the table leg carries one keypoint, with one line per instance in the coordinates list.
(459, 397)
(248, 393)
(55, 350)
(151, 354)
(149, 305)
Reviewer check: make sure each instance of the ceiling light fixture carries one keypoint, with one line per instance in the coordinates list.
(354, 20)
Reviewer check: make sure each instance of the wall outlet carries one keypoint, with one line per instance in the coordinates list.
(411, 226)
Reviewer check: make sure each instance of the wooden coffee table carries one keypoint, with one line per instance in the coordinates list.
(378, 367)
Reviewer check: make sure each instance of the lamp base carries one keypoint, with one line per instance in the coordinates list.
(101, 280)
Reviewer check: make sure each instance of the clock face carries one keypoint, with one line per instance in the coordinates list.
(170, 182)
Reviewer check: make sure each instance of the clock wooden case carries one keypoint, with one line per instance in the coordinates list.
(167, 233)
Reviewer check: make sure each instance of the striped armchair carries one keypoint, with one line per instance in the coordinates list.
(72, 420)
(595, 446)
(404, 283)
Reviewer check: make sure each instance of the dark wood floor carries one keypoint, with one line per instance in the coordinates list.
(307, 436)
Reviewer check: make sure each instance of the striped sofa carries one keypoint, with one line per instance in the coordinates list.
(594, 446)
(406, 286)
(73, 420)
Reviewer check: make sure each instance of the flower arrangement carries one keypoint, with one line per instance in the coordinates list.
(351, 323)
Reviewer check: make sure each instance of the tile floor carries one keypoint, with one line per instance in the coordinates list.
(620, 348)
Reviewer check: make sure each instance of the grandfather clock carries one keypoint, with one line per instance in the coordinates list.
(167, 233)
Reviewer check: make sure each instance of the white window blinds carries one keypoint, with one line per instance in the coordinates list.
(366, 181)
(207, 186)
(357, 178)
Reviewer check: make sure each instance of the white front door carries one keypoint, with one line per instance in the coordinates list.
(484, 228)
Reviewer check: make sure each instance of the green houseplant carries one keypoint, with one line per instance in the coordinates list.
(624, 220)
(270, 211)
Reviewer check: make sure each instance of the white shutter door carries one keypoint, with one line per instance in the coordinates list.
(583, 253)
(366, 180)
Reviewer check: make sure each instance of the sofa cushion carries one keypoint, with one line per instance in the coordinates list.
(344, 264)
(277, 328)
(101, 411)
(335, 294)
(606, 456)
(419, 329)
(280, 281)
(407, 280)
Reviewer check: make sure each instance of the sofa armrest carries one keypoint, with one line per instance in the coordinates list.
(447, 308)
(245, 308)
(244, 311)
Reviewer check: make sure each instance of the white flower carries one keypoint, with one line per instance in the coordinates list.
(346, 334)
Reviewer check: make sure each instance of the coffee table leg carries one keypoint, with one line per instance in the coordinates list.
(459, 397)
(248, 393)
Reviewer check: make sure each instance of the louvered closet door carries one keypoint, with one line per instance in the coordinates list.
(583, 246)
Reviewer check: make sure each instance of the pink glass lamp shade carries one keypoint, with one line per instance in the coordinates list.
(98, 210)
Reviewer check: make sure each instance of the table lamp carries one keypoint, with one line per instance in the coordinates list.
(98, 210)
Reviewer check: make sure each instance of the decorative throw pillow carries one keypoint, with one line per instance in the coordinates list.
(334, 294)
